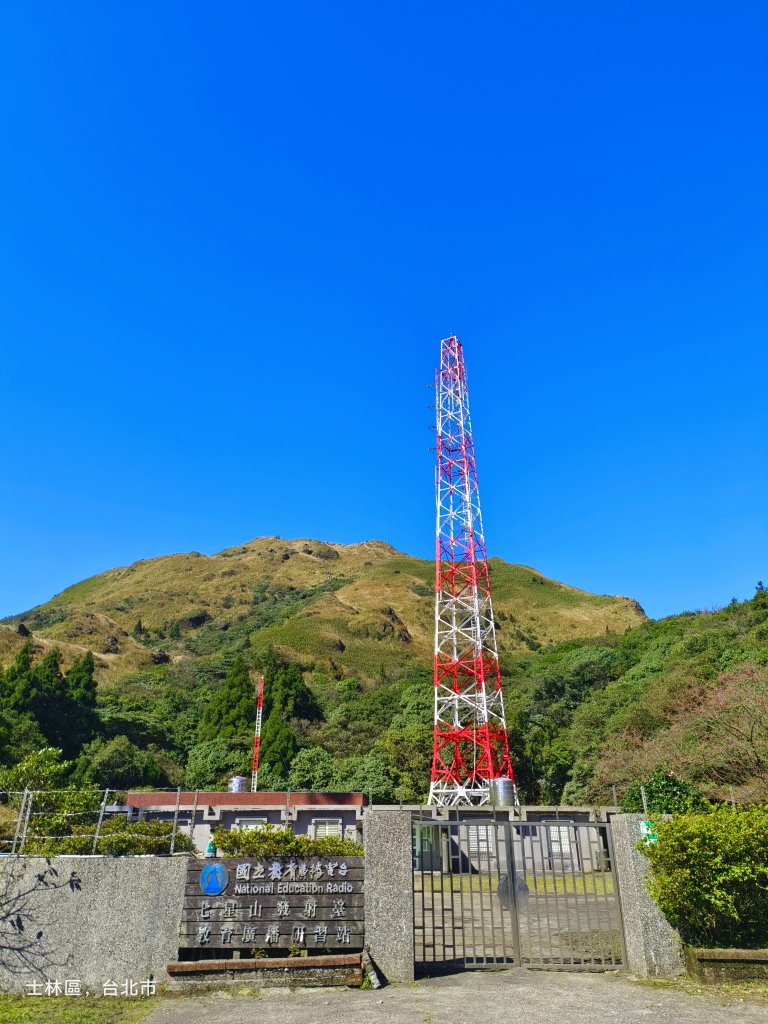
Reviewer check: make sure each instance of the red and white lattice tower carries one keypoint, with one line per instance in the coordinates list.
(257, 735)
(470, 734)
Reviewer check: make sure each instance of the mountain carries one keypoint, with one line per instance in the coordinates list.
(363, 609)
(596, 695)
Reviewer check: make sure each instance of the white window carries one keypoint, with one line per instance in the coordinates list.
(560, 840)
(327, 827)
(480, 839)
(246, 823)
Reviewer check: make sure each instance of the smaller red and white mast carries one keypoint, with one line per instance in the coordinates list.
(257, 735)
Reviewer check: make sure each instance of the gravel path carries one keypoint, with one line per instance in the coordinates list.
(505, 997)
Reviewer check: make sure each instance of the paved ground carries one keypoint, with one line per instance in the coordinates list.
(505, 997)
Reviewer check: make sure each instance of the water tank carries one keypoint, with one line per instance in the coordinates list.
(237, 784)
(502, 793)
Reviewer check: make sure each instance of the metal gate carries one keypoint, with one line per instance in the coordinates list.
(493, 893)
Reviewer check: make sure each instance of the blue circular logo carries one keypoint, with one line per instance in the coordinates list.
(213, 879)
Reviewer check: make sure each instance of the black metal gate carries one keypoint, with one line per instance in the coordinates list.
(492, 893)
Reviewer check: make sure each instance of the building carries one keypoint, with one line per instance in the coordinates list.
(200, 813)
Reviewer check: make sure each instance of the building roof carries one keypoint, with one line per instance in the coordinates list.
(188, 798)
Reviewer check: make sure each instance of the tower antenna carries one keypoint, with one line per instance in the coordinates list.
(470, 733)
(257, 735)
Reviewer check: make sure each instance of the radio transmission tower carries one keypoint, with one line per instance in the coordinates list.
(257, 735)
(470, 734)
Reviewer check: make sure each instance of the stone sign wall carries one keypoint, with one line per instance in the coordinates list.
(245, 903)
(91, 925)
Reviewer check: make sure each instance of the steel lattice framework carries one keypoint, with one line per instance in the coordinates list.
(257, 735)
(470, 733)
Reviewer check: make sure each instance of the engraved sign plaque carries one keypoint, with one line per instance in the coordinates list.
(245, 903)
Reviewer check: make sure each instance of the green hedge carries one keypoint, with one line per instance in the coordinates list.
(710, 876)
(275, 841)
(117, 837)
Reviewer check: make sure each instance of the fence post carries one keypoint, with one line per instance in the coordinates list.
(509, 843)
(19, 819)
(30, 797)
(388, 841)
(194, 818)
(175, 820)
(652, 945)
(98, 823)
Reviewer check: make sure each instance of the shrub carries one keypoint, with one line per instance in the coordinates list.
(710, 875)
(665, 794)
(276, 841)
(117, 837)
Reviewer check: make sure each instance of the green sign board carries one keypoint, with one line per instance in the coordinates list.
(648, 831)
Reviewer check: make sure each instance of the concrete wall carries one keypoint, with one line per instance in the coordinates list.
(112, 919)
(389, 891)
(101, 919)
(654, 949)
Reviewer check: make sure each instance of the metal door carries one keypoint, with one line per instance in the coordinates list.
(494, 893)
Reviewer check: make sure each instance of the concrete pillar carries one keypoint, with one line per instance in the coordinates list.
(389, 891)
(654, 949)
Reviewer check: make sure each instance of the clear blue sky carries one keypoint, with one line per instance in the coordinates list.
(234, 234)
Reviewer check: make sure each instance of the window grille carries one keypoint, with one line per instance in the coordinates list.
(481, 840)
(324, 827)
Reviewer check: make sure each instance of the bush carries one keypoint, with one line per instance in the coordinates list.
(710, 876)
(275, 841)
(665, 794)
(117, 837)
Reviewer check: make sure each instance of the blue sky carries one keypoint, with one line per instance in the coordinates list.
(234, 235)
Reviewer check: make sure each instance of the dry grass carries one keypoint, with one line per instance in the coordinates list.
(726, 993)
(379, 586)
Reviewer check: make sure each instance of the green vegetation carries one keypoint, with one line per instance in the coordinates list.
(686, 695)
(275, 841)
(595, 694)
(117, 837)
(710, 876)
(63, 816)
(73, 1010)
(664, 794)
(598, 883)
(42, 706)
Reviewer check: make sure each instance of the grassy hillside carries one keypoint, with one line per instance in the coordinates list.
(687, 694)
(359, 609)
(595, 693)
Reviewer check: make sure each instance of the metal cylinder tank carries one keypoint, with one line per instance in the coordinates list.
(237, 784)
(502, 793)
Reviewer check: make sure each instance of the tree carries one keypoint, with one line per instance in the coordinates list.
(42, 702)
(285, 690)
(44, 769)
(211, 762)
(231, 711)
(287, 698)
(279, 743)
(408, 755)
(312, 770)
(369, 774)
(270, 779)
(119, 764)
(665, 794)
(79, 706)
